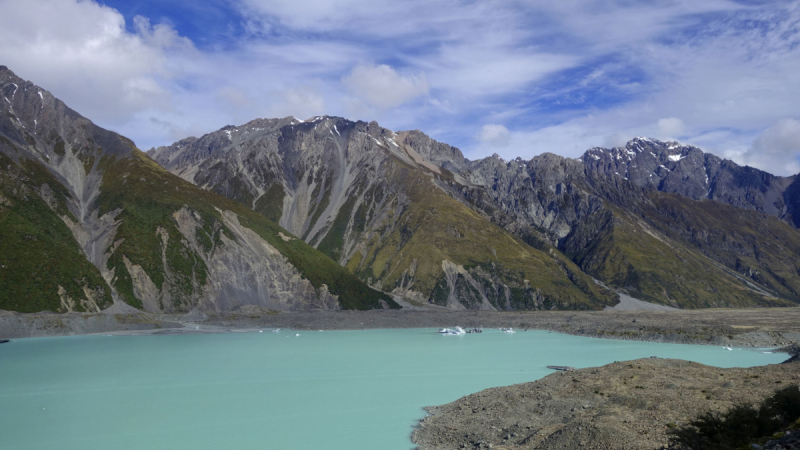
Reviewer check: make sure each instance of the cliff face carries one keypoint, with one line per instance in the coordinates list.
(686, 170)
(89, 221)
(664, 222)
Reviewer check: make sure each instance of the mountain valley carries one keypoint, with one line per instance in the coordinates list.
(327, 213)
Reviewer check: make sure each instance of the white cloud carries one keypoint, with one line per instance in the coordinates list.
(82, 52)
(381, 86)
(494, 135)
(446, 67)
(303, 102)
(670, 128)
(776, 150)
(569, 139)
(478, 71)
(615, 140)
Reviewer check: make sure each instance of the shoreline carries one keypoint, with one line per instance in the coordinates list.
(623, 405)
(777, 328)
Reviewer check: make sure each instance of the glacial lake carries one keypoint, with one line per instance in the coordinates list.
(320, 390)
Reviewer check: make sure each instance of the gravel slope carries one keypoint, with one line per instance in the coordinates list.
(758, 327)
(624, 405)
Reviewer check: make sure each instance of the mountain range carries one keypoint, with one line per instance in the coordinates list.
(330, 213)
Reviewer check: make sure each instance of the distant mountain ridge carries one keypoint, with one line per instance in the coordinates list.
(686, 170)
(630, 217)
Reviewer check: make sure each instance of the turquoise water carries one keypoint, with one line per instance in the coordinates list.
(321, 390)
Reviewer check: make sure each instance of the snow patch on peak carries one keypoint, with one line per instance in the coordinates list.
(675, 157)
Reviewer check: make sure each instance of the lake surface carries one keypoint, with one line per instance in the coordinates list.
(321, 390)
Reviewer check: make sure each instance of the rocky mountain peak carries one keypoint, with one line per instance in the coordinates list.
(670, 166)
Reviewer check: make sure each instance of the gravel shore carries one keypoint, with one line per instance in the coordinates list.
(624, 405)
(762, 327)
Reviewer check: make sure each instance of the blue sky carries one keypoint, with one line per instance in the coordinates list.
(516, 78)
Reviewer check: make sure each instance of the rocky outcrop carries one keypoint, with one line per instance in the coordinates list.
(624, 405)
(247, 270)
(686, 170)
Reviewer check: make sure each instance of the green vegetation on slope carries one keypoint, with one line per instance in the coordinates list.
(628, 254)
(757, 246)
(149, 195)
(741, 425)
(333, 241)
(270, 205)
(435, 227)
(318, 268)
(37, 251)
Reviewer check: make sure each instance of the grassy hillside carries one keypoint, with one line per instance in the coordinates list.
(630, 254)
(759, 247)
(149, 195)
(435, 227)
(38, 253)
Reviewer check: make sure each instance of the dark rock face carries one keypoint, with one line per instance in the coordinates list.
(686, 170)
(791, 198)
(612, 209)
(438, 153)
